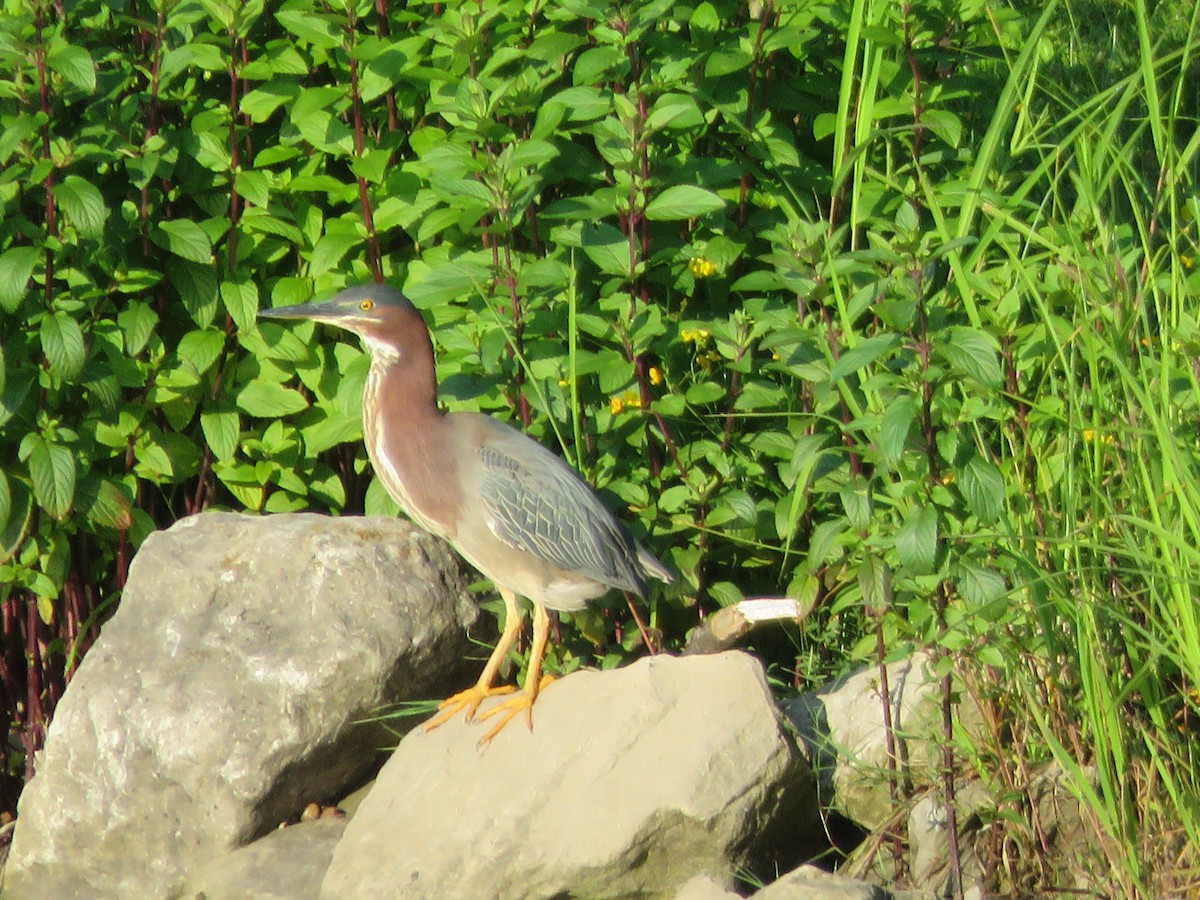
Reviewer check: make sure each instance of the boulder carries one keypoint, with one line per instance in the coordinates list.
(842, 728)
(812, 883)
(631, 783)
(287, 864)
(706, 887)
(225, 694)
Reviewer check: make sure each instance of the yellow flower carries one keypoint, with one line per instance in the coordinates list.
(655, 375)
(1187, 260)
(628, 400)
(701, 267)
(693, 335)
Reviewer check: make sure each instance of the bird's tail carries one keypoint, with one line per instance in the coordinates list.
(652, 567)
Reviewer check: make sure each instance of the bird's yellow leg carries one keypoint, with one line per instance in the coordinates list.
(534, 680)
(482, 689)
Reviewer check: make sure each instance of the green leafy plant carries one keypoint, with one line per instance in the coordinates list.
(880, 306)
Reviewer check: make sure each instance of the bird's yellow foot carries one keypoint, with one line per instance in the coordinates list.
(468, 700)
(508, 710)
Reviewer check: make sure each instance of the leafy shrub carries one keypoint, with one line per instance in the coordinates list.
(824, 299)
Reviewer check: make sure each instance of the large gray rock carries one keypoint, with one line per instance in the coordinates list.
(811, 883)
(842, 727)
(223, 695)
(632, 782)
(287, 864)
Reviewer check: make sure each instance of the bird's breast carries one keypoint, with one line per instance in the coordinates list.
(410, 458)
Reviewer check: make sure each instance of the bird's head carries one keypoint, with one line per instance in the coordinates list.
(380, 315)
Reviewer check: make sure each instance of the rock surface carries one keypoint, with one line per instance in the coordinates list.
(222, 696)
(842, 727)
(811, 883)
(631, 783)
(287, 864)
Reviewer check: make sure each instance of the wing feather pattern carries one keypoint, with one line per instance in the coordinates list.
(538, 504)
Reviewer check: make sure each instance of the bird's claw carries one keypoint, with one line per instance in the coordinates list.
(510, 708)
(468, 700)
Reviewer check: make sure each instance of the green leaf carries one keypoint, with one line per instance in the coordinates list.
(201, 348)
(683, 201)
(703, 392)
(674, 111)
(862, 355)
(197, 286)
(310, 27)
(83, 204)
(241, 300)
(137, 321)
(894, 428)
(17, 519)
(337, 241)
(917, 541)
(591, 65)
(16, 268)
(982, 487)
(726, 593)
(261, 102)
(335, 427)
(186, 239)
(104, 503)
(532, 154)
(6, 505)
(378, 502)
(607, 248)
(972, 353)
(856, 501)
(450, 282)
(267, 400)
(52, 471)
(222, 428)
(875, 582)
(581, 103)
(984, 589)
(75, 65)
(62, 342)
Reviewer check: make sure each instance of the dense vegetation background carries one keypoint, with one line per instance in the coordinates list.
(890, 307)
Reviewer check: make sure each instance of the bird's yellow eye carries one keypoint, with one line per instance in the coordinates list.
(367, 305)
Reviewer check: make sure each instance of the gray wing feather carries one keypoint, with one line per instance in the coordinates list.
(540, 505)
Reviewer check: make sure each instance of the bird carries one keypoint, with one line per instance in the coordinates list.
(510, 507)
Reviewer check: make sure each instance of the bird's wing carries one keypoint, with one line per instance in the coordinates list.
(538, 504)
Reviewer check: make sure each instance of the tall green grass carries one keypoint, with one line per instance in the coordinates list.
(1069, 231)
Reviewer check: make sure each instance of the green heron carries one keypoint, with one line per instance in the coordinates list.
(514, 510)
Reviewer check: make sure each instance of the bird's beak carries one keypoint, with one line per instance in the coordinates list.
(324, 311)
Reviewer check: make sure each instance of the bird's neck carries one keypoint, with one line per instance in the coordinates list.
(405, 436)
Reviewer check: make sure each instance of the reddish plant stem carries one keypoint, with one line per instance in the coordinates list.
(364, 199)
(518, 319)
(235, 205)
(918, 103)
(894, 837)
(34, 729)
(153, 114)
(835, 352)
(941, 600)
(39, 56)
(765, 19)
(384, 30)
